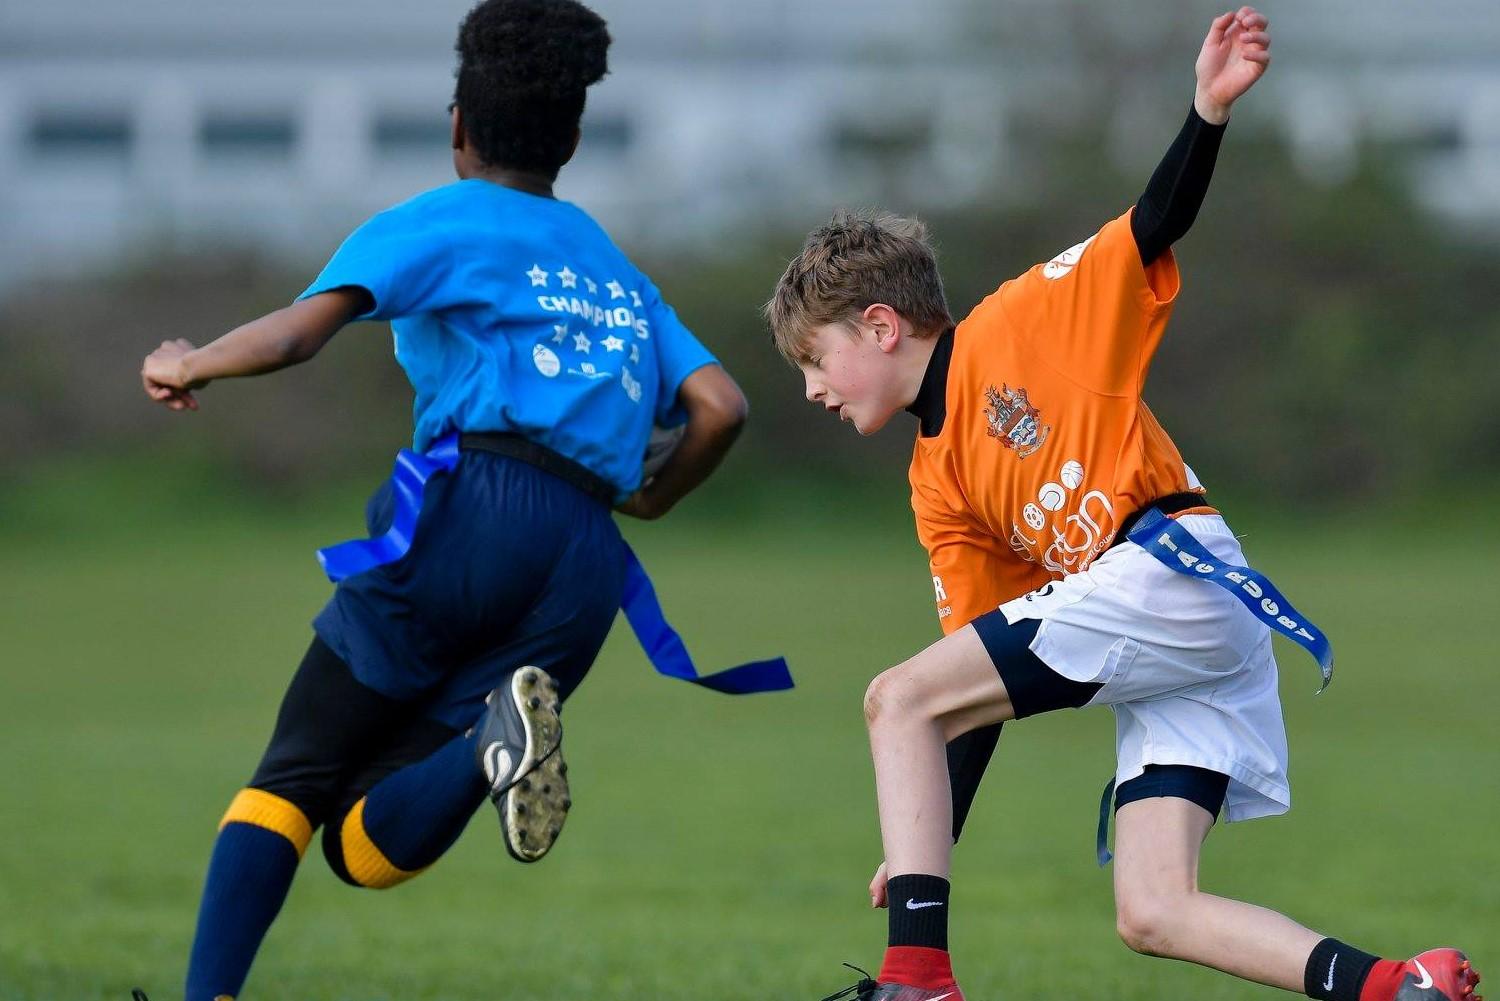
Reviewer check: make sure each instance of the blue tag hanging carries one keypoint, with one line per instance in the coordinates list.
(408, 483)
(663, 646)
(1177, 548)
(667, 653)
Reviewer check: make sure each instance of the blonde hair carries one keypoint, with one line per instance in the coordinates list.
(857, 259)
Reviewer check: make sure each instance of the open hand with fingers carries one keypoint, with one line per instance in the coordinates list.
(1234, 55)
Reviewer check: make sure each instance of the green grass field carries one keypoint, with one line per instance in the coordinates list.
(720, 847)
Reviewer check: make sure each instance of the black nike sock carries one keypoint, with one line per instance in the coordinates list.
(1335, 971)
(918, 910)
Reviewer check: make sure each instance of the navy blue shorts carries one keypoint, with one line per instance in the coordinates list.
(1033, 687)
(508, 566)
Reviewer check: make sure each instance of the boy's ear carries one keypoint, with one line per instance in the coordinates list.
(886, 324)
(456, 124)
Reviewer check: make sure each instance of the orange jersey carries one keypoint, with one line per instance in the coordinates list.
(1047, 445)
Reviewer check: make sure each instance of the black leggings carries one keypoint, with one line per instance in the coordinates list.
(335, 738)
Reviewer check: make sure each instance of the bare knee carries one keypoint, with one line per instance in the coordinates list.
(877, 695)
(1148, 920)
(889, 696)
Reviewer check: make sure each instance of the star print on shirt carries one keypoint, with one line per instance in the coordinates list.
(635, 299)
(582, 343)
(593, 287)
(559, 333)
(569, 279)
(537, 276)
(613, 343)
(616, 290)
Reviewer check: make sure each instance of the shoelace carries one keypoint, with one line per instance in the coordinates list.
(863, 989)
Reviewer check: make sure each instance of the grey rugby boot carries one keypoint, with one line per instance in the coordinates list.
(868, 990)
(519, 748)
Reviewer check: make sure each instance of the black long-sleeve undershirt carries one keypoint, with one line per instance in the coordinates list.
(1175, 192)
(1162, 216)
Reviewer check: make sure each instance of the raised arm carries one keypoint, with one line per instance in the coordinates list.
(716, 410)
(286, 337)
(1234, 55)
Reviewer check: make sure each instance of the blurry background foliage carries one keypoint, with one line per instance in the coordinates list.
(1330, 341)
(1335, 338)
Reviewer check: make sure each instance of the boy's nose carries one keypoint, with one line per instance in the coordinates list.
(815, 392)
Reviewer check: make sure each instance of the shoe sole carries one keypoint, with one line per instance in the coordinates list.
(533, 809)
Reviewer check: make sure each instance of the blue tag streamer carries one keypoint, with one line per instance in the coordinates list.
(408, 483)
(663, 646)
(1179, 550)
(1101, 839)
(665, 649)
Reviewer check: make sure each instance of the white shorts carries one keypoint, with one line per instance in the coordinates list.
(1186, 668)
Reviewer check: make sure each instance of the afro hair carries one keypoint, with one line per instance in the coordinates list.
(523, 68)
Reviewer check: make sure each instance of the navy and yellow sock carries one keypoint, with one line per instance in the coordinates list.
(261, 840)
(410, 818)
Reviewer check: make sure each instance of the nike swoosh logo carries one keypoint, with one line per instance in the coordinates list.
(497, 762)
(1426, 977)
(912, 905)
(941, 996)
(1328, 984)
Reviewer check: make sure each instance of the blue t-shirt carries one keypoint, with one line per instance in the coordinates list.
(515, 312)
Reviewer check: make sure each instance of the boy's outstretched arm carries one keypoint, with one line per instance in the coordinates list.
(286, 337)
(1234, 55)
(716, 410)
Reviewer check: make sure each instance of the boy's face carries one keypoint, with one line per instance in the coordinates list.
(857, 374)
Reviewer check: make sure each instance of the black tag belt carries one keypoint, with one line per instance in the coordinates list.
(517, 446)
(1169, 505)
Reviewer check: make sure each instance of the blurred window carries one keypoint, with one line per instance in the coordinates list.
(886, 140)
(607, 133)
(1433, 137)
(80, 134)
(249, 136)
(411, 134)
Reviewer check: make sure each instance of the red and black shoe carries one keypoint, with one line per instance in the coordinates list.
(868, 990)
(1438, 975)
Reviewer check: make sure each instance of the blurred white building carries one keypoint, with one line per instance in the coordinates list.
(128, 128)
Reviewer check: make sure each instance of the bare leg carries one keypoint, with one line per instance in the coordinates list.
(1161, 912)
(912, 711)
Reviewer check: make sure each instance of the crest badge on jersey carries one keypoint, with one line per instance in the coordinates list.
(1014, 420)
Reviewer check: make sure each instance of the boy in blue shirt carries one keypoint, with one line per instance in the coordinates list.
(541, 358)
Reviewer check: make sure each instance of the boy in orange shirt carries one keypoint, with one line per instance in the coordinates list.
(1063, 529)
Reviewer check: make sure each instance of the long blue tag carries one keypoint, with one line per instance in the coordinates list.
(665, 649)
(1179, 550)
(663, 646)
